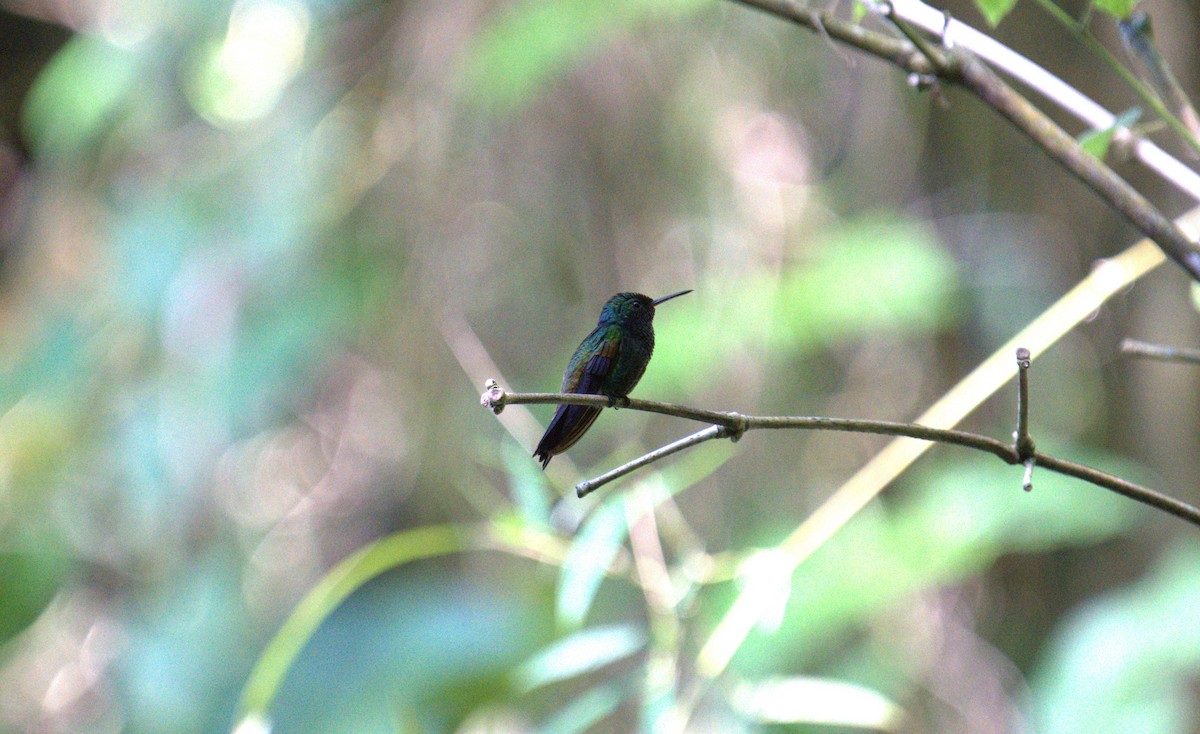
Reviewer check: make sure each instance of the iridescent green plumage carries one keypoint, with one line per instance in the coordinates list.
(609, 361)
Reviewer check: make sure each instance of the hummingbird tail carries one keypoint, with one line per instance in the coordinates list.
(569, 423)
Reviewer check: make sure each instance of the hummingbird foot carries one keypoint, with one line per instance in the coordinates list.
(618, 401)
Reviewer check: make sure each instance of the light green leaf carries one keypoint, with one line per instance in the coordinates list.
(805, 700)
(588, 560)
(578, 653)
(532, 42)
(829, 296)
(76, 95)
(1120, 8)
(995, 10)
(839, 292)
(1097, 142)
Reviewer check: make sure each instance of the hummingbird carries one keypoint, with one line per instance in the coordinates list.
(609, 361)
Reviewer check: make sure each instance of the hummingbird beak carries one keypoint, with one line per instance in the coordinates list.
(657, 301)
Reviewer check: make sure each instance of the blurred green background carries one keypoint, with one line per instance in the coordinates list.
(258, 257)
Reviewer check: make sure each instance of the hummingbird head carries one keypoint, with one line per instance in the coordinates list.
(632, 309)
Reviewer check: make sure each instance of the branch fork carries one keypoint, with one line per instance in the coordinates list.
(732, 425)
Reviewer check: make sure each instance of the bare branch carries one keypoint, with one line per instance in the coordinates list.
(983, 82)
(732, 425)
(960, 66)
(1136, 348)
(1083, 108)
(1022, 440)
(585, 487)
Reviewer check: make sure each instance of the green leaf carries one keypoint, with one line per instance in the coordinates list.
(1097, 142)
(838, 292)
(1126, 663)
(1119, 8)
(828, 296)
(578, 653)
(534, 41)
(805, 700)
(342, 580)
(957, 523)
(27, 584)
(588, 561)
(76, 95)
(995, 10)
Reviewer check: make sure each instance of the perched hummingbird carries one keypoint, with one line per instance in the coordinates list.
(609, 361)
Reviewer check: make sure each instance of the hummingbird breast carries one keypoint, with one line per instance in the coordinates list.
(635, 353)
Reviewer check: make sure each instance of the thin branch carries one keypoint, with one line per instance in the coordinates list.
(1022, 440)
(586, 487)
(1136, 348)
(1128, 489)
(1083, 35)
(960, 66)
(1033, 76)
(733, 425)
(983, 82)
(958, 34)
(1137, 35)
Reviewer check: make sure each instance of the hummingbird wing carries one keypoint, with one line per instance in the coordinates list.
(593, 378)
(588, 376)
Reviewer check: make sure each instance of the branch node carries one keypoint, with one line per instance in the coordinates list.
(1137, 348)
(738, 426)
(493, 396)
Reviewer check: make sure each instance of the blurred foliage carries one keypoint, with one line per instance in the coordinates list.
(1118, 664)
(259, 257)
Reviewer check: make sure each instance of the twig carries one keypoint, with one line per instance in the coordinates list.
(1137, 35)
(1136, 348)
(733, 424)
(586, 487)
(973, 74)
(1081, 33)
(956, 33)
(1022, 441)
(1033, 76)
(962, 67)
(1128, 489)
